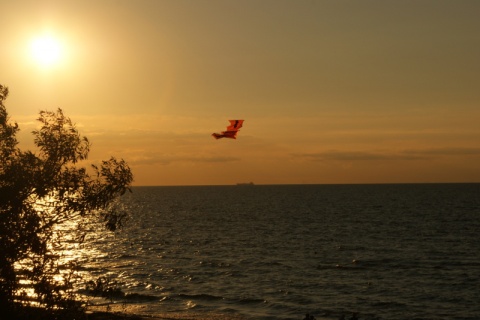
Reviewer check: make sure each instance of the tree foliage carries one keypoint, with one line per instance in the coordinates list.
(40, 191)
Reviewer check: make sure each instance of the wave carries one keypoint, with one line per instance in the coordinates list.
(251, 301)
(202, 296)
(141, 297)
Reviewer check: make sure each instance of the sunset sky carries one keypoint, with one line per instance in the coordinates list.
(331, 91)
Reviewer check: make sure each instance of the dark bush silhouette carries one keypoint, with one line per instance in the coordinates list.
(40, 192)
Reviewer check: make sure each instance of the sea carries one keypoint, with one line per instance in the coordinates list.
(380, 251)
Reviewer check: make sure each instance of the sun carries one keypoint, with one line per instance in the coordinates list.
(46, 50)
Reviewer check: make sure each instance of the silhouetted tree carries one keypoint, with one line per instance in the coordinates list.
(40, 191)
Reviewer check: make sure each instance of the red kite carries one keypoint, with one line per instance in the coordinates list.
(231, 131)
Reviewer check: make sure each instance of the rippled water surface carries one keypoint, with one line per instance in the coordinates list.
(278, 252)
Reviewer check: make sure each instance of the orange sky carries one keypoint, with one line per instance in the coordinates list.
(331, 91)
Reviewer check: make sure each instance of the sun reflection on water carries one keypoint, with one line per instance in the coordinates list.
(72, 251)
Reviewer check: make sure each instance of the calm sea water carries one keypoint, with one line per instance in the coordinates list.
(408, 251)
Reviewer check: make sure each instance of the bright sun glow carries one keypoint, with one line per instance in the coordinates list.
(46, 50)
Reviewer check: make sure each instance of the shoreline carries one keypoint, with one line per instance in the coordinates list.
(111, 315)
(141, 312)
(119, 315)
(117, 312)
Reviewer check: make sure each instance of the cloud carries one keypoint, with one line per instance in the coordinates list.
(166, 159)
(354, 156)
(420, 154)
(449, 151)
